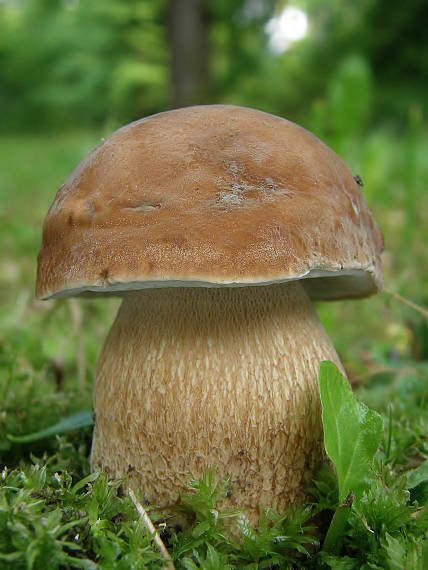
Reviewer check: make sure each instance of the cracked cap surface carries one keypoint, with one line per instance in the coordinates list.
(210, 196)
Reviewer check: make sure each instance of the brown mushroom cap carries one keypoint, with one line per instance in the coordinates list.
(212, 196)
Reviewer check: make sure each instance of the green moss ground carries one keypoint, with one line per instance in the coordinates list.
(55, 514)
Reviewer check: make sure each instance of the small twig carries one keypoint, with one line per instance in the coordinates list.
(421, 310)
(169, 565)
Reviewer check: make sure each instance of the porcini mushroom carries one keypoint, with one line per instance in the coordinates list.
(218, 225)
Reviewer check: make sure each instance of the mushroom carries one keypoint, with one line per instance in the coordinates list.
(217, 225)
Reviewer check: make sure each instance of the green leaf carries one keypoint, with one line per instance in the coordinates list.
(336, 530)
(10, 557)
(417, 476)
(340, 563)
(352, 432)
(88, 479)
(78, 420)
(201, 528)
(82, 563)
(395, 550)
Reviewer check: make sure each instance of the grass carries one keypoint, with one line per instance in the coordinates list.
(54, 513)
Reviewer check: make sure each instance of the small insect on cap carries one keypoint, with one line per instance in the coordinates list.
(210, 196)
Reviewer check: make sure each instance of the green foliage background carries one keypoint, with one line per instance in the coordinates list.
(73, 71)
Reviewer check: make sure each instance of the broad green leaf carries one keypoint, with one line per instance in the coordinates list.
(78, 420)
(352, 432)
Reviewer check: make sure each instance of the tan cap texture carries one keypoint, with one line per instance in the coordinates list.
(213, 195)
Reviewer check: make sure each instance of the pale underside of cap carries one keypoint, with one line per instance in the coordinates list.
(210, 196)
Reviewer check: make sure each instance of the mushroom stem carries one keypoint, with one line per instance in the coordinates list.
(193, 377)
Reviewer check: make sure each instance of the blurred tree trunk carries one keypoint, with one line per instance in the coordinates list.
(188, 40)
